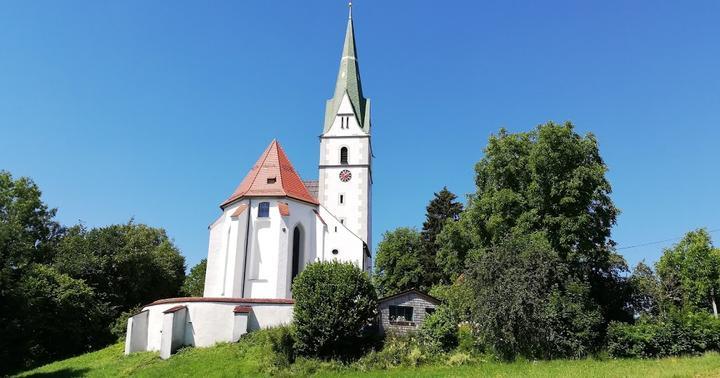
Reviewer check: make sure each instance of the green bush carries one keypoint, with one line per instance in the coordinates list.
(679, 333)
(399, 350)
(439, 331)
(335, 304)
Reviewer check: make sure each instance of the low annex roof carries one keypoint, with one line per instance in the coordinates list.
(428, 297)
(272, 176)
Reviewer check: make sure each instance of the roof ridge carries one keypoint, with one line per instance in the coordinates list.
(257, 171)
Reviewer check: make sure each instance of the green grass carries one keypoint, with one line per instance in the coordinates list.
(254, 357)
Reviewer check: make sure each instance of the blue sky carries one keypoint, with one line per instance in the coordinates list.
(157, 110)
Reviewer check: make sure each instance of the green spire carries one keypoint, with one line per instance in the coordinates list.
(348, 80)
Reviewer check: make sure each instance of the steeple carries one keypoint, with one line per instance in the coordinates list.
(348, 81)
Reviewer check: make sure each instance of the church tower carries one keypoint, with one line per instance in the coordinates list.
(345, 187)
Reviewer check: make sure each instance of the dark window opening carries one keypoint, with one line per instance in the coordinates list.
(297, 235)
(344, 155)
(335, 251)
(342, 199)
(401, 314)
(264, 210)
(271, 180)
(429, 310)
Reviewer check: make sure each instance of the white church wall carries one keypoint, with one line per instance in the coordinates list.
(214, 282)
(349, 247)
(302, 215)
(209, 323)
(266, 239)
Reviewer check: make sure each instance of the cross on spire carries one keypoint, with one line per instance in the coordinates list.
(350, 10)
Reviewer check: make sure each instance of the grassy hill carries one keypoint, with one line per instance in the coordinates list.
(254, 357)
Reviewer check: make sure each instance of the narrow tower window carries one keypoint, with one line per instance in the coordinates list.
(344, 155)
(264, 210)
(342, 199)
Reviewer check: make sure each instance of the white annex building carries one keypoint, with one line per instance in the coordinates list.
(272, 226)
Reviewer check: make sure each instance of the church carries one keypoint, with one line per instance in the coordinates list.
(272, 226)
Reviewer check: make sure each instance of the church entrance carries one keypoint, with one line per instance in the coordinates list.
(296, 252)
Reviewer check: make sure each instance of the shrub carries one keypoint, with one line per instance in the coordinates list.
(439, 331)
(679, 333)
(398, 351)
(335, 303)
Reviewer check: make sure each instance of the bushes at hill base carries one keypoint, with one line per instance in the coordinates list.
(676, 334)
(335, 304)
(439, 331)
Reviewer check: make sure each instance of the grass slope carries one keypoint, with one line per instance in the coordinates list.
(253, 359)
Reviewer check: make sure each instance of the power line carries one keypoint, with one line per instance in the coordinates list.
(660, 241)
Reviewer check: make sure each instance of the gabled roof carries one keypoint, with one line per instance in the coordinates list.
(272, 176)
(348, 81)
(428, 297)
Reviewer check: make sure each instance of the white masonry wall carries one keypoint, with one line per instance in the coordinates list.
(269, 249)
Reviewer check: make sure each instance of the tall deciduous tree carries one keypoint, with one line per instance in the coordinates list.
(142, 261)
(690, 272)
(28, 234)
(441, 209)
(397, 262)
(552, 181)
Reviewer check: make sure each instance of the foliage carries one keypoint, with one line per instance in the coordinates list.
(455, 242)
(535, 244)
(439, 331)
(61, 316)
(690, 272)
(399, 350)
(678, 333)
(458, 298)
(397, 262)
(519, 306)
(194, 284)
(442, 209)
(28, 235)
(62, 289)
(647, 297)
(335, 303)
(143, 262)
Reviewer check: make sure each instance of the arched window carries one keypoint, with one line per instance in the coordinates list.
(264, 210)
(296, 249)
(344, 155)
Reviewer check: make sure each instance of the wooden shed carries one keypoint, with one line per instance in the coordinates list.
(405, 312)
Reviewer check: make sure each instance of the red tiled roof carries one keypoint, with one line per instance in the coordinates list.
(242, 309)
(319, 217)
(173, 309)
(284, 209)
(272, 176)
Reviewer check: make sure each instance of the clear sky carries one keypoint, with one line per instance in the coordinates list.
(156, 110)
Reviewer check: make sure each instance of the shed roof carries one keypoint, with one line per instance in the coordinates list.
(428, 297)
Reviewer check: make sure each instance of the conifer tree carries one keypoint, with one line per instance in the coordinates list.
(441, 209)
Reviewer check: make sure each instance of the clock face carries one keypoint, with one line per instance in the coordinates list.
(345, 175)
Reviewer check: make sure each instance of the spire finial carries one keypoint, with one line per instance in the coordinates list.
(350, 10)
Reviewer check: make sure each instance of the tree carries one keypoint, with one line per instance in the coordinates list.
(397, 262)
(550, 180)
(647, 298)
(441, 209)
(62, 316)
(194, 285)
(524, 303)
(143, 262)
(28, 235)
(690, 272)
(334, 305)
